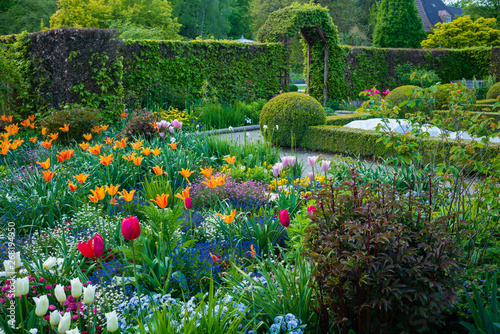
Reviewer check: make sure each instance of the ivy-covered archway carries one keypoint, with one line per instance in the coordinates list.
(324, 67)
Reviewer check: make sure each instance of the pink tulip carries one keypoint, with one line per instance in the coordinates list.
(312, 209)
(311, 176)
(325, 165)
(284, 218)
(171, 129)
(284, 161)
(312, 160)
(277, 168)
(177, 124)
(291, 160)
(130, 228)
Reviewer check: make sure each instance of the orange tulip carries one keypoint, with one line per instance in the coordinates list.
(137, 145)
(93, 198)
(161, 200)
(64, 155)
(31, 118)
(184, 195)
(65, 128)
(127, 196)
(54, 136)
(214, 258)
(26, 123)
(137, 160)
(81, 177)
(154, 125)
(173, 145)
(71, 186)
(221, 180)
(12, 129)
(87, 136)
(146, 151)
(47, 143)
(45, 164)
(129, 157)
(104, 127)
(121, 144)
(16, 143)
(4, 148)
(95, 150)
(211, 183)
(96, 129)
(98, 193)
(33, 139)
(106, 159)
(207, 172)
(230, 160)
(123, 115)
(158, 170)
(112, 190)
(7, 118)
(44, 131)
(48, 175)
(156, 151)
(113, 201)
(252, 252)
(186, 173)
(84, 146)
(32, 125)
(108, 140)
(228, 219)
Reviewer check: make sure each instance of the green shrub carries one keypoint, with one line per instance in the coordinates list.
(140, 124)
(376, 265)
(289, 115)
(494, 91)
(482, 105)
(342, 120)
(213, 114)
(294, 88)
(401, 94)
(442, 94)
(80, 119)
(404, 72)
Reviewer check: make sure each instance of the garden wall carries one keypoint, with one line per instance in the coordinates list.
(366, 67)
(89, 65)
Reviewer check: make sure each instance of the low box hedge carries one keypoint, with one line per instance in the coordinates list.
(357, 142)
(342, 120)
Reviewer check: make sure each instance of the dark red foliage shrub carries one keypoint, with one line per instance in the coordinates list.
(383, 263)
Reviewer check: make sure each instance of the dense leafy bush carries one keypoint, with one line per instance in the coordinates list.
(140, 124)
(80, 119)
(404, 72)
(294, 88)
(401, 94)
(443, 93)
(288, 115)
(494, 91)
(377, 268)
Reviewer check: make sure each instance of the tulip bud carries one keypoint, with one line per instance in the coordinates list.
(22, 286)
(312, 160)
(325, 165)
(311, 176)
(112, 322)
(73, 331)
(291, 160)
(42, 305)
(55, 317)
(188, 203)
(17, 260)
(89, 294)
(130, 228)
(9, 268)
(60, 294)
(49, 263)
(284, 218)
(284, 161)
(76, 287)
(64, 323)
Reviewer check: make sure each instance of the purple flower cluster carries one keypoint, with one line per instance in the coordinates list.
(245, 195)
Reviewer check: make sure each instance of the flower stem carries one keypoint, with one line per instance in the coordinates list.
(137, 280)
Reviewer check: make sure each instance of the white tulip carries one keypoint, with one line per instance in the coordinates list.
(55, 316)
(73, 331)
(17, 260)
(64, 323)
(76, 287)
(9, 268)
(60, 294)
(89, 294)
(49, 263)
(22, 286)
(42, 305)
(112, 322)
(33, 331)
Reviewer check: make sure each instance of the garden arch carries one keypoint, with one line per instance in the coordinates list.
(324, 57)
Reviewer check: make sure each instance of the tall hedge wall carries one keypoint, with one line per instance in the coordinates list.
(90, 66)
(366, 67)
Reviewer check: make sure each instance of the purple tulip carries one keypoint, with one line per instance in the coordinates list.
(312, 160)
(284, 161)
(311, 176)
(277, 168)
(325, 165)
(171, 129)
(291, 160)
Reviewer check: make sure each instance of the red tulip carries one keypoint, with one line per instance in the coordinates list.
(92, 248)
(284, 218)
(130, 228)
(312, 209)
(188, 203)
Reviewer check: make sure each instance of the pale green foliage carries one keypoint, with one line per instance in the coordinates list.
(462, 33)
(136, 19)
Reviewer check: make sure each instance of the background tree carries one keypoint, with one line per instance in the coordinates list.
(147, 16)
(483, 8)
(17, 16)
(398, 25)
(462, 33)
(240, 20)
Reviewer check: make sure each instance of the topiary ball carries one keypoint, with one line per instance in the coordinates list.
(442, 94)
(294, 88)
(494, 91)
(401, 94)
(289, 115)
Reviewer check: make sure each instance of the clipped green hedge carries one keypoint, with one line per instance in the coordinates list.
(358, 142)
(342, 120)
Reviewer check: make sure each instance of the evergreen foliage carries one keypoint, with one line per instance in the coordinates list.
(26, 15)
(398, 25)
